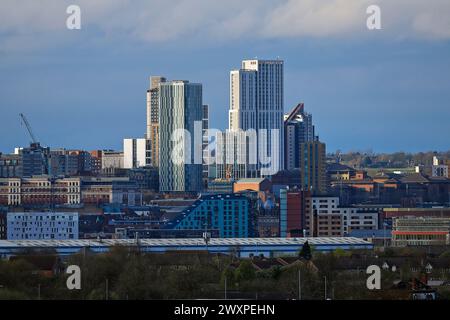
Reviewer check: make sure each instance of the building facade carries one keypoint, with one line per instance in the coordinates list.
(34, 160)
(180, 137)
(62, 162)
(115, 190)
(417, 231)
(153, 119)
(293, 213)
(298, 129)
(40, 191)
(135, 153)
(229, 214)
(313, 167)
(42, 225)
(10, 165)
(256, 103)
(96, 161)
(206, 152)
(112, 159)
(302, 214)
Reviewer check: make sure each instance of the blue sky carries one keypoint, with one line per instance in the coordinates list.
(384, 90)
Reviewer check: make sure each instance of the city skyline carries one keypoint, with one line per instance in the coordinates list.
(347, 77)
(215, 156)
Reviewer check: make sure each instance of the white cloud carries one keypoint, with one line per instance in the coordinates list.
(26, 23)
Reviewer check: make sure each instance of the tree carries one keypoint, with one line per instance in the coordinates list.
(245, 271)
(305, 253)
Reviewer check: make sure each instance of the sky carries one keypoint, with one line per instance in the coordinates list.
(380, 90)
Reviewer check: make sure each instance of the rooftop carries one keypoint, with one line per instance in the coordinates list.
(251, 180)
(182, 242)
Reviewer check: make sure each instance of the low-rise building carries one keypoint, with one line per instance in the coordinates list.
(102, 190)
(10, 165)
(42, 225)
(39, 191)
(355, 218)
(112, 159)
(322, 216)
(418, 231)
(254, 184)
(220, 186)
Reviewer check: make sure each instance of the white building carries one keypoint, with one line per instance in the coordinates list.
(257, 102)
(134, 153)
(112, 159)
(331, 219)
(358, 219)
(42, 225)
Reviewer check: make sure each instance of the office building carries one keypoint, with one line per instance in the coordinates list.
(180, 136)
(313, 167)
(153, 120)
(42, 225)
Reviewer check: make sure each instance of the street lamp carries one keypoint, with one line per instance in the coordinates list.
(206, 236)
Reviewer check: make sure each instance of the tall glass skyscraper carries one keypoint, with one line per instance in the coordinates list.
(180, 136)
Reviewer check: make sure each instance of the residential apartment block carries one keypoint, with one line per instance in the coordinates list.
(321, 216)
(229, 214)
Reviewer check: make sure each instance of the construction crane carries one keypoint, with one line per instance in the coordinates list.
(27, 124)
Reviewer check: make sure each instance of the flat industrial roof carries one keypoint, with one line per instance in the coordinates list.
(349, 241)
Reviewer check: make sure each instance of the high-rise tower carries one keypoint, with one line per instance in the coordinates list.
(180, 136)
(152, 134)
(256, 103)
